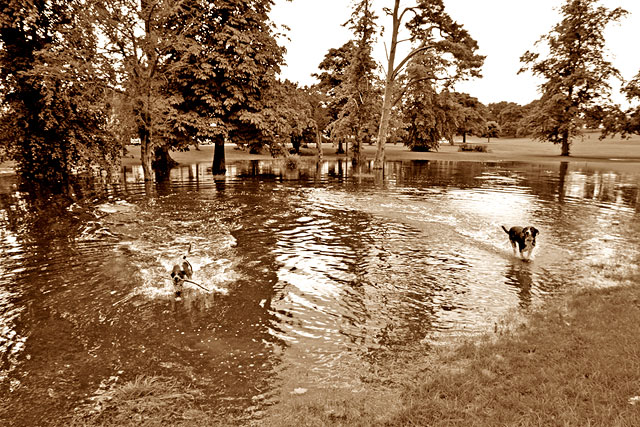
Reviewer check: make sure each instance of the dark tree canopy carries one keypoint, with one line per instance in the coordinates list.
(52, 123)
(82, 77)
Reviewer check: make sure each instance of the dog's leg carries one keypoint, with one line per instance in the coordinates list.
(514, 246)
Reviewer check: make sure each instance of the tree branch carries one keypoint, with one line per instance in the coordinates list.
(414, 81)
(413, 53)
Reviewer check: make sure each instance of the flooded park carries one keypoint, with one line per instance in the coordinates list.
(302, 279)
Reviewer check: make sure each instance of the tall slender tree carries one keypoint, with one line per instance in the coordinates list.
(430, 29)
(357, 92)
(575, 71)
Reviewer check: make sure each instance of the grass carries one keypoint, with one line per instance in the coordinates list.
(575, 363)
(145, 402)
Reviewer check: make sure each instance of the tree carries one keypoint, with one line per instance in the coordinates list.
(430, 30)
(226, 81)
(510, 118)
(508, 115)
(492, 130)
(630, 122)
(53, 121)
(333, 76)
(471, 115)
(575, 71)
(138, 50)
(429, 117)
(356, 91)
(290, 117)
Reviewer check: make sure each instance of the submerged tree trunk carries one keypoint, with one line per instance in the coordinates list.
(384, 124)
(319, 145)
(565, 143)
(387, 102)
(146, 151)
(219, 166)
(162, 162)
(356, 149)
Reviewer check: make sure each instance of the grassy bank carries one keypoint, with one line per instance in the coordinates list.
(575, 363)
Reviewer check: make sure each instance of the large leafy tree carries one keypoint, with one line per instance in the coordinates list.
(289, 113)
(53, 119)
(575, 71)
(227, 79)
(429, 116)
(451, 54)
(145, 45)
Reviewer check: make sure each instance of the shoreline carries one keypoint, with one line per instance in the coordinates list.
(617, 154)
(611, 154)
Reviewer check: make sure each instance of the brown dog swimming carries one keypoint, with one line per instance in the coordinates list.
(180, 273)
(524, 238)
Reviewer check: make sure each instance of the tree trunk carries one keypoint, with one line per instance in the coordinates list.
(162, 162)
(319, 145)
(356, 149)
(340, 149)
(146, 151)
(384, 125)
(565, 143)
(219, 166)
(378, 163)
(464, 137)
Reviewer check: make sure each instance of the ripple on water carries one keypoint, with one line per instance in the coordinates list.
(316, 281)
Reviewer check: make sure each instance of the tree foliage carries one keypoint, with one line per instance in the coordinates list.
(491, 130)
(575, 72)
(447, 48)
(54, 119)
(230, 73)
(471, 115)
(629, 122)
(81, 74)
(357, 91)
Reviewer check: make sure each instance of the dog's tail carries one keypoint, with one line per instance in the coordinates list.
(505, 229)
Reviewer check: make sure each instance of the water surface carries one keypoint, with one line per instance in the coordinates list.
(318, 276)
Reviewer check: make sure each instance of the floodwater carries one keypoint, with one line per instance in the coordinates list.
(316, 277)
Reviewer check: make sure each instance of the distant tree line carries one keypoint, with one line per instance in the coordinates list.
(81, 78)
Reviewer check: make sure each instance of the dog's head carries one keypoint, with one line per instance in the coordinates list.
(529, 234)
(177, 274)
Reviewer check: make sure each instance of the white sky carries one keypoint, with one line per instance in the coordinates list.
(504, 30)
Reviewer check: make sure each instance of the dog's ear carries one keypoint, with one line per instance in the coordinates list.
(534, 231)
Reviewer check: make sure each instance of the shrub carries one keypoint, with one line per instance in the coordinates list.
(481, 148)
(292, 162)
